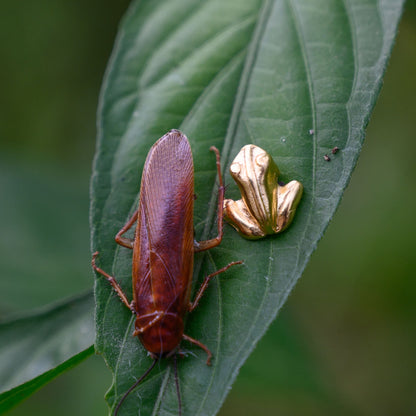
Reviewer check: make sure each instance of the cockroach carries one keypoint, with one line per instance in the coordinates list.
(163, 251)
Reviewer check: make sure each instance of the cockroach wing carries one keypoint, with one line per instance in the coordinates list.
(163, 250)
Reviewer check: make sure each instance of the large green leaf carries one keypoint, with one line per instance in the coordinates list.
(36, 347)
(296, 77)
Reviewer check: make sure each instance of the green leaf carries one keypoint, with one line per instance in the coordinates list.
(37, 347)
(228, 74)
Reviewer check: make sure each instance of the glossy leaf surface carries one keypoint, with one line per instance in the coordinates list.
(293, 77)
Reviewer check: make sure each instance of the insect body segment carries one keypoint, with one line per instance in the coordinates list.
(163, 247)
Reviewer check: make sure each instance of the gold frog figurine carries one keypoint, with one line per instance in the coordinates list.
(266, 207)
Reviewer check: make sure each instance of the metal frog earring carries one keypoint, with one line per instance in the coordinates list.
(266, 207)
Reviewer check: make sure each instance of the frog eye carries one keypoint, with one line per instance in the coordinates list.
(262, 159)
(235, 168)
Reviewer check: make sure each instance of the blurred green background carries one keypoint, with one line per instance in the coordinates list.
(345, 342)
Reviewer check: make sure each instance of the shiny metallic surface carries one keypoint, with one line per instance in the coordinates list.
(265, 206)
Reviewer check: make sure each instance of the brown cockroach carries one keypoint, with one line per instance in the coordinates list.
(163, 251)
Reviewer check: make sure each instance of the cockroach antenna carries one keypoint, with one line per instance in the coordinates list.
(135, 385)
(178, 391)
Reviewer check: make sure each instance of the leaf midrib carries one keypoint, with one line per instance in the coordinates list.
(232, 126)
(258, 34)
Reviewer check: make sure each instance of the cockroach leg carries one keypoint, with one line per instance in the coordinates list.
(157, 318)
(113, 283)
(194, 304)
(207, 244)
(124, 241)
(200, 345)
